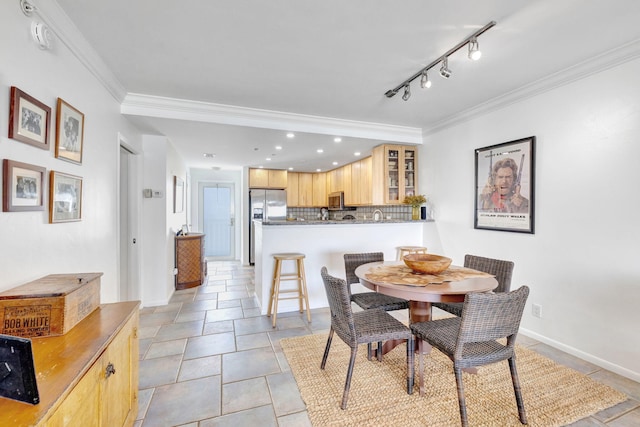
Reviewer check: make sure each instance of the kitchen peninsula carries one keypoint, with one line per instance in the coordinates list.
(324, 243)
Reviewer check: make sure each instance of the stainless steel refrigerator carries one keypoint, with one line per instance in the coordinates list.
(265, 205)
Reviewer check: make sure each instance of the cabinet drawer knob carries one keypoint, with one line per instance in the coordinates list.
(110, 370)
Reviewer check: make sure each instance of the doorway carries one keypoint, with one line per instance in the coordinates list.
(128, 211)
(218, 220)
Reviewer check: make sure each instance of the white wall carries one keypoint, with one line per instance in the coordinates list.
(582, 262)
(31, 247)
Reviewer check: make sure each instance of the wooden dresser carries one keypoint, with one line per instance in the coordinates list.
(192, 268)
(86, 377)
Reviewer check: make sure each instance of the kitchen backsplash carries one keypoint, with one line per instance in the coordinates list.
(402, 212)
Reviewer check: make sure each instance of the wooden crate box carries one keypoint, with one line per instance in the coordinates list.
(49, 306)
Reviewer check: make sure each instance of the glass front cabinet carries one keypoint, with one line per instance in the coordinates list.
(395, 173)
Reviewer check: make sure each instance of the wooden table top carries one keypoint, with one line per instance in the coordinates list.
(396, 279)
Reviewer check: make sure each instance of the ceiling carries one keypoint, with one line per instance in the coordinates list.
(321, 68)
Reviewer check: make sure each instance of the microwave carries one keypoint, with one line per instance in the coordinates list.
(336, 201)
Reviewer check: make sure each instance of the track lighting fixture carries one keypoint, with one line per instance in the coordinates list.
(445, 72)
(474, 53)
(407, 92)
(425, 83)
(474, 49)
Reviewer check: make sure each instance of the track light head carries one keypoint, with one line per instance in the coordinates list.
(425, 83)
(445, 72)
(407, 92)
(474, 49)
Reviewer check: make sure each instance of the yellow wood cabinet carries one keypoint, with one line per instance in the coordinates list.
(305, 189)
(394, 173)
(335, 181)
(320, 189)
(267, 178)
(292, 189)
(87, 377)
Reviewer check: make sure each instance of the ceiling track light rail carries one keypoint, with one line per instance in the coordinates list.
(444, 70)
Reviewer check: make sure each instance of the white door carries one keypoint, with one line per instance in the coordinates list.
(129, 276)
(218, 220)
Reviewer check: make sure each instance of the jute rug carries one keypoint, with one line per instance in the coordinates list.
(554, 395)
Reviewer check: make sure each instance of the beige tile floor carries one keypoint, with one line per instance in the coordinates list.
(208, 358)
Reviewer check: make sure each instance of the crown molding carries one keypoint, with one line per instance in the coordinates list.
(182, 109)
(68, 34)
(609, 59)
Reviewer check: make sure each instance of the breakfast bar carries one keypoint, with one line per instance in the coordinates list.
(324, 243)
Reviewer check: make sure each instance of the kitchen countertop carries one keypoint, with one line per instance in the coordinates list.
(343, 222)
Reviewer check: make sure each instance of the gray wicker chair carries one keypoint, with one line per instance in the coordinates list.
(367, 300)
(470, 340)
(503, 270)
(366, 326)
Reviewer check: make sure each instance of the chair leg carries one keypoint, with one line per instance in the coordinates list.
(347, 384)
(516, 388)
(461, 401)
(369, 351)
(420, 365)
(410, 365)
(326, 349)
(379, 352)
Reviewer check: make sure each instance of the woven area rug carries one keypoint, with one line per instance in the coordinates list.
(554, 395)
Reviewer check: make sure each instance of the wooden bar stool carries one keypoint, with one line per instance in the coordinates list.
(298, 275)
(405, 250)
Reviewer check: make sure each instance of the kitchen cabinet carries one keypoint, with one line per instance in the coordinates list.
(334, 180)
(305, 189)
(292, 189)
(267, 178)
(190, 262)
(320, 189)
(361, 182)
(86, 377)
(394, 173)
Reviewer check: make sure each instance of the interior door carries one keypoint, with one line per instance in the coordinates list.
(218, 220)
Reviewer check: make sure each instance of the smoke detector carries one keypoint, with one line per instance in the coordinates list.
(41, 35)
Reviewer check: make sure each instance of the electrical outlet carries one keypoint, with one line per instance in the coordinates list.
(536, 310)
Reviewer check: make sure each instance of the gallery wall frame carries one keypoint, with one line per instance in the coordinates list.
(28, 119)
(22, 186)
(504, 186)
(65, 197)
(69, 132)
(178, 194)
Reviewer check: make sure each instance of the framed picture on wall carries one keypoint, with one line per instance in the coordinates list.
(65, 197)
(28, 119)
(178, 194)
(504, 196)
(69, 132)
(22, 186)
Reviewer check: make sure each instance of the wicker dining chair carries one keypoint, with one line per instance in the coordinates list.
(503, 270)
(471, 339)
(368, 300)
(367, 326)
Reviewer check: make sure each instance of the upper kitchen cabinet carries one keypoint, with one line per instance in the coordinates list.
(357, 183)
(394, 173)
(320, 189)
(267, 178)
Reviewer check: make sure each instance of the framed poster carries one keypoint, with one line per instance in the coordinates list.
(22, 186)
(65, 197)
(28, 119)
(69, 133)
(504, 196)
(178, 194)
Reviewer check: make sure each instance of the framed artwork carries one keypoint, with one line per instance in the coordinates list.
(65, 197)
(178, 194)
(28, 119)
(69, 132)
(17, 370)
(22, 186)
(504, 196)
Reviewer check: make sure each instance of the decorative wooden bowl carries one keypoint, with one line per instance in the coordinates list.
(427, 263)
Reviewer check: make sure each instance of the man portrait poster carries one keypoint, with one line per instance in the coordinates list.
(504, 186)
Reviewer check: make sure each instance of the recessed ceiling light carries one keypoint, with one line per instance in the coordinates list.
(320, 150)
(209, 155)
(268, 159)
(290, 169)
(337, 139)
(290, 135)
(357, 153)
(318, 170)
(334, 163)
(261, 167)
(278, 147)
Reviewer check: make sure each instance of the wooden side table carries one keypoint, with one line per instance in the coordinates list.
(190, 262)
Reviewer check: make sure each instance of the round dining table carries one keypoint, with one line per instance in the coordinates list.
(396, 279)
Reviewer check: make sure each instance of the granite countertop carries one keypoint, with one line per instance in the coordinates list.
(343, 222)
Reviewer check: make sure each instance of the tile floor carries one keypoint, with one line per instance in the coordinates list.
(208, 358)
